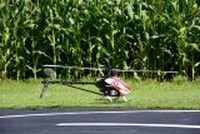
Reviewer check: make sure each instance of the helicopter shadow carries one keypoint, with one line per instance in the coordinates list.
(105, 101)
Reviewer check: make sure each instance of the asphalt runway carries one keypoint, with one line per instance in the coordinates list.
(90, 121)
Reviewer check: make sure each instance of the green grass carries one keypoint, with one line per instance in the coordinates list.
(145, 95)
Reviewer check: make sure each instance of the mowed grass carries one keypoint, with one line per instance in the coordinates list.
(145, 95)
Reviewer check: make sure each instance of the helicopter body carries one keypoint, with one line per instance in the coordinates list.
(113, 87)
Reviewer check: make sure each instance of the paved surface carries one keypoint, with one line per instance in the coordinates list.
(99, 122)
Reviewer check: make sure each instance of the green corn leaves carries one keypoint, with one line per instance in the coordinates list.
(128, 34)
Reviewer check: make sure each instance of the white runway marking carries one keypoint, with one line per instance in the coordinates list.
(94, 124)
(96, 112)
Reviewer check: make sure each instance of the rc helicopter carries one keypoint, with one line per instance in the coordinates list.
(110, 87)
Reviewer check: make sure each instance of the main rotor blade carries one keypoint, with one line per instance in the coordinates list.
(111, 69)
(73, 67)
(65, 82)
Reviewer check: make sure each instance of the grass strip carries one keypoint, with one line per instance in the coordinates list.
(145, 95)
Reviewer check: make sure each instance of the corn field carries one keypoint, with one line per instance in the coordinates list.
(125, 34)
